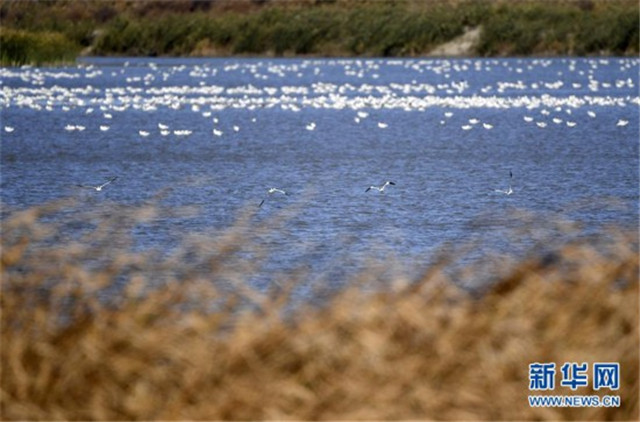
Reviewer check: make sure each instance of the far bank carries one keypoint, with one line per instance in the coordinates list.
(57, 32)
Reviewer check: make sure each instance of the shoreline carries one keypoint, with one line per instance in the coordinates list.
(46, 33)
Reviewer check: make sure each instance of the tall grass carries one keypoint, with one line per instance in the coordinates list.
(340, 28)
(386, 29)
(533, 28)
(94, 328)
(21, 47)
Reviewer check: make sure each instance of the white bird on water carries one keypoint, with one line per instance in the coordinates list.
(99, 187)
(271, 191)
(510, 190)
(380, 188)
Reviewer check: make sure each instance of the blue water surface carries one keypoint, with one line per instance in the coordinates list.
(218, 133)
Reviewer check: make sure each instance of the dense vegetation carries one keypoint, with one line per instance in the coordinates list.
(49, 31)
(93, 329)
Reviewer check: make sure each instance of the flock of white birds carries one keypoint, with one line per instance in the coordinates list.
(431, 83)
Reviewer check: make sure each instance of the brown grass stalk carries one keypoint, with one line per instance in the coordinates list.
(94, 332)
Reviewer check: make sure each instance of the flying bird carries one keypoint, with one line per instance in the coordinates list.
(510, 190)
(271, 191)
(99, 187)
(380, 188)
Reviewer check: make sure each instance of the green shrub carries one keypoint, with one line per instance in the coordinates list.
(535, 28)
(340, 28)
(21, 47)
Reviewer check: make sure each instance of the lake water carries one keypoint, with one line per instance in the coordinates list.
(221, 132)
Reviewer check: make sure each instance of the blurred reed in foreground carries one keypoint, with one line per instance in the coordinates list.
(92, 329)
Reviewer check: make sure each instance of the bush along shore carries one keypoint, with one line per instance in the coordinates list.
(58, 31)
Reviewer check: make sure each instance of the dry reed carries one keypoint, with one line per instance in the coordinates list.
(94, 330)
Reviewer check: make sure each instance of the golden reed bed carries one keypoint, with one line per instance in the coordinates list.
(94, 331)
